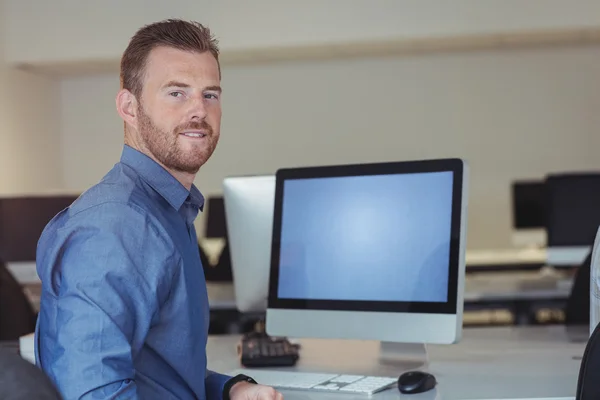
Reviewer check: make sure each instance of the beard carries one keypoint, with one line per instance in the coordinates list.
(165, 146)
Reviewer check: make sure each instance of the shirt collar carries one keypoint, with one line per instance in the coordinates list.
(160, 179)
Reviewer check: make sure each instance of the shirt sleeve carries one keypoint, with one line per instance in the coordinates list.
(214, 383)
(104, 272)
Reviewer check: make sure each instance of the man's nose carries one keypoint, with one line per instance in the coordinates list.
(197, 109)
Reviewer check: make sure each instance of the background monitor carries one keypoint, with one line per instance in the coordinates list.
(249, 206)
(216, 225)
(22, 220)
(529, 213)
(573, 216)
(529, 204)
(369, 252)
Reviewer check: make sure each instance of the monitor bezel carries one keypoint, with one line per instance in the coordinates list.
(451, 306)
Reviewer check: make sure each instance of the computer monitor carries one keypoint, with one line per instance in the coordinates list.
(216, 226)
(573, 216)
(370, 252)
(249, 207)
(529, 213)
(22, 220)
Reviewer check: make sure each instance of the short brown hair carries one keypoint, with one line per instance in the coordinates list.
(182, 35)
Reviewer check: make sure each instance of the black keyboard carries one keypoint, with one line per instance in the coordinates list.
(261, 350)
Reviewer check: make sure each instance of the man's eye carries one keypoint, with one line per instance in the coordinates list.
(176, 94)
(211, 96)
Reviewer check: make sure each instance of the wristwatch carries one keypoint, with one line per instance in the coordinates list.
(229, 384)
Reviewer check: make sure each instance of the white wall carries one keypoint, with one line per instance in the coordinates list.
(31, 152)
(511, 114)
(30, 148)
(75, 31)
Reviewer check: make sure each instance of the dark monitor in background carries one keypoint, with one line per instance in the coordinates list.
(216, 226)
(529, 213)
(219, 270)
(573, 216)
(529, 209)
(22, 220)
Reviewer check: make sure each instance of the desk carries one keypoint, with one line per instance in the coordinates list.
(522, 293)
(221, 295)
(505, 259)
(525, 258)
(495, 279)
(489, 363)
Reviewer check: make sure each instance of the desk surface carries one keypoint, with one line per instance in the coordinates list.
(517, 286)
(488, 287)
(222, 295)
(493, 257)
(489, 363)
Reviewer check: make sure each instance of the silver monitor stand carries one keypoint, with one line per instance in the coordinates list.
(408, 356)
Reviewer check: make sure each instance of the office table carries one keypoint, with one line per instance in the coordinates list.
(494, 281)
(522, 293)
(488, 363)
(511, 259)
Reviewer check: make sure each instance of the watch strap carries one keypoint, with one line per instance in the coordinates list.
(229, 384)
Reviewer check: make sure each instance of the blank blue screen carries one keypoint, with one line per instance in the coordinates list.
(369, 238)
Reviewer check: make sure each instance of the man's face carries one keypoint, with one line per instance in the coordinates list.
(179, 110)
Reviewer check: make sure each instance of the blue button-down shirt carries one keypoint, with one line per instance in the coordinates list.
(124, 307)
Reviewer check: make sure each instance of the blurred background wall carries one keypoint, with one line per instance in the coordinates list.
(511, 86)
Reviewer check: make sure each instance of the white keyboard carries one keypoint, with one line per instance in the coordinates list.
(357, 384)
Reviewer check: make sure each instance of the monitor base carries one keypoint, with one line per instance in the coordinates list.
(407, 356)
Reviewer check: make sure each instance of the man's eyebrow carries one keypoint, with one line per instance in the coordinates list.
(176, 84)
(215, 88)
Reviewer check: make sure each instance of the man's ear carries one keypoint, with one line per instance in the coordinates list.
(127, 107)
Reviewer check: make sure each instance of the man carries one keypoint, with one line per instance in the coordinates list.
(124, 308)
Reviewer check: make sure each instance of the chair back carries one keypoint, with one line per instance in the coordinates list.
(588, 384)
(17, 316)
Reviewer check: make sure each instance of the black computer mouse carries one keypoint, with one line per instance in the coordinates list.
(413, 382)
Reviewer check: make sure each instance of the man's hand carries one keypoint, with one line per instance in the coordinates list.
(252, 391)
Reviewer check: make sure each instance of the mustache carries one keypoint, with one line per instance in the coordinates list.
(195, 125)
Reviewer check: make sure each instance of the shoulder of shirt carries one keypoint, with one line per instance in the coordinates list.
(118, 208)
(119, 196)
